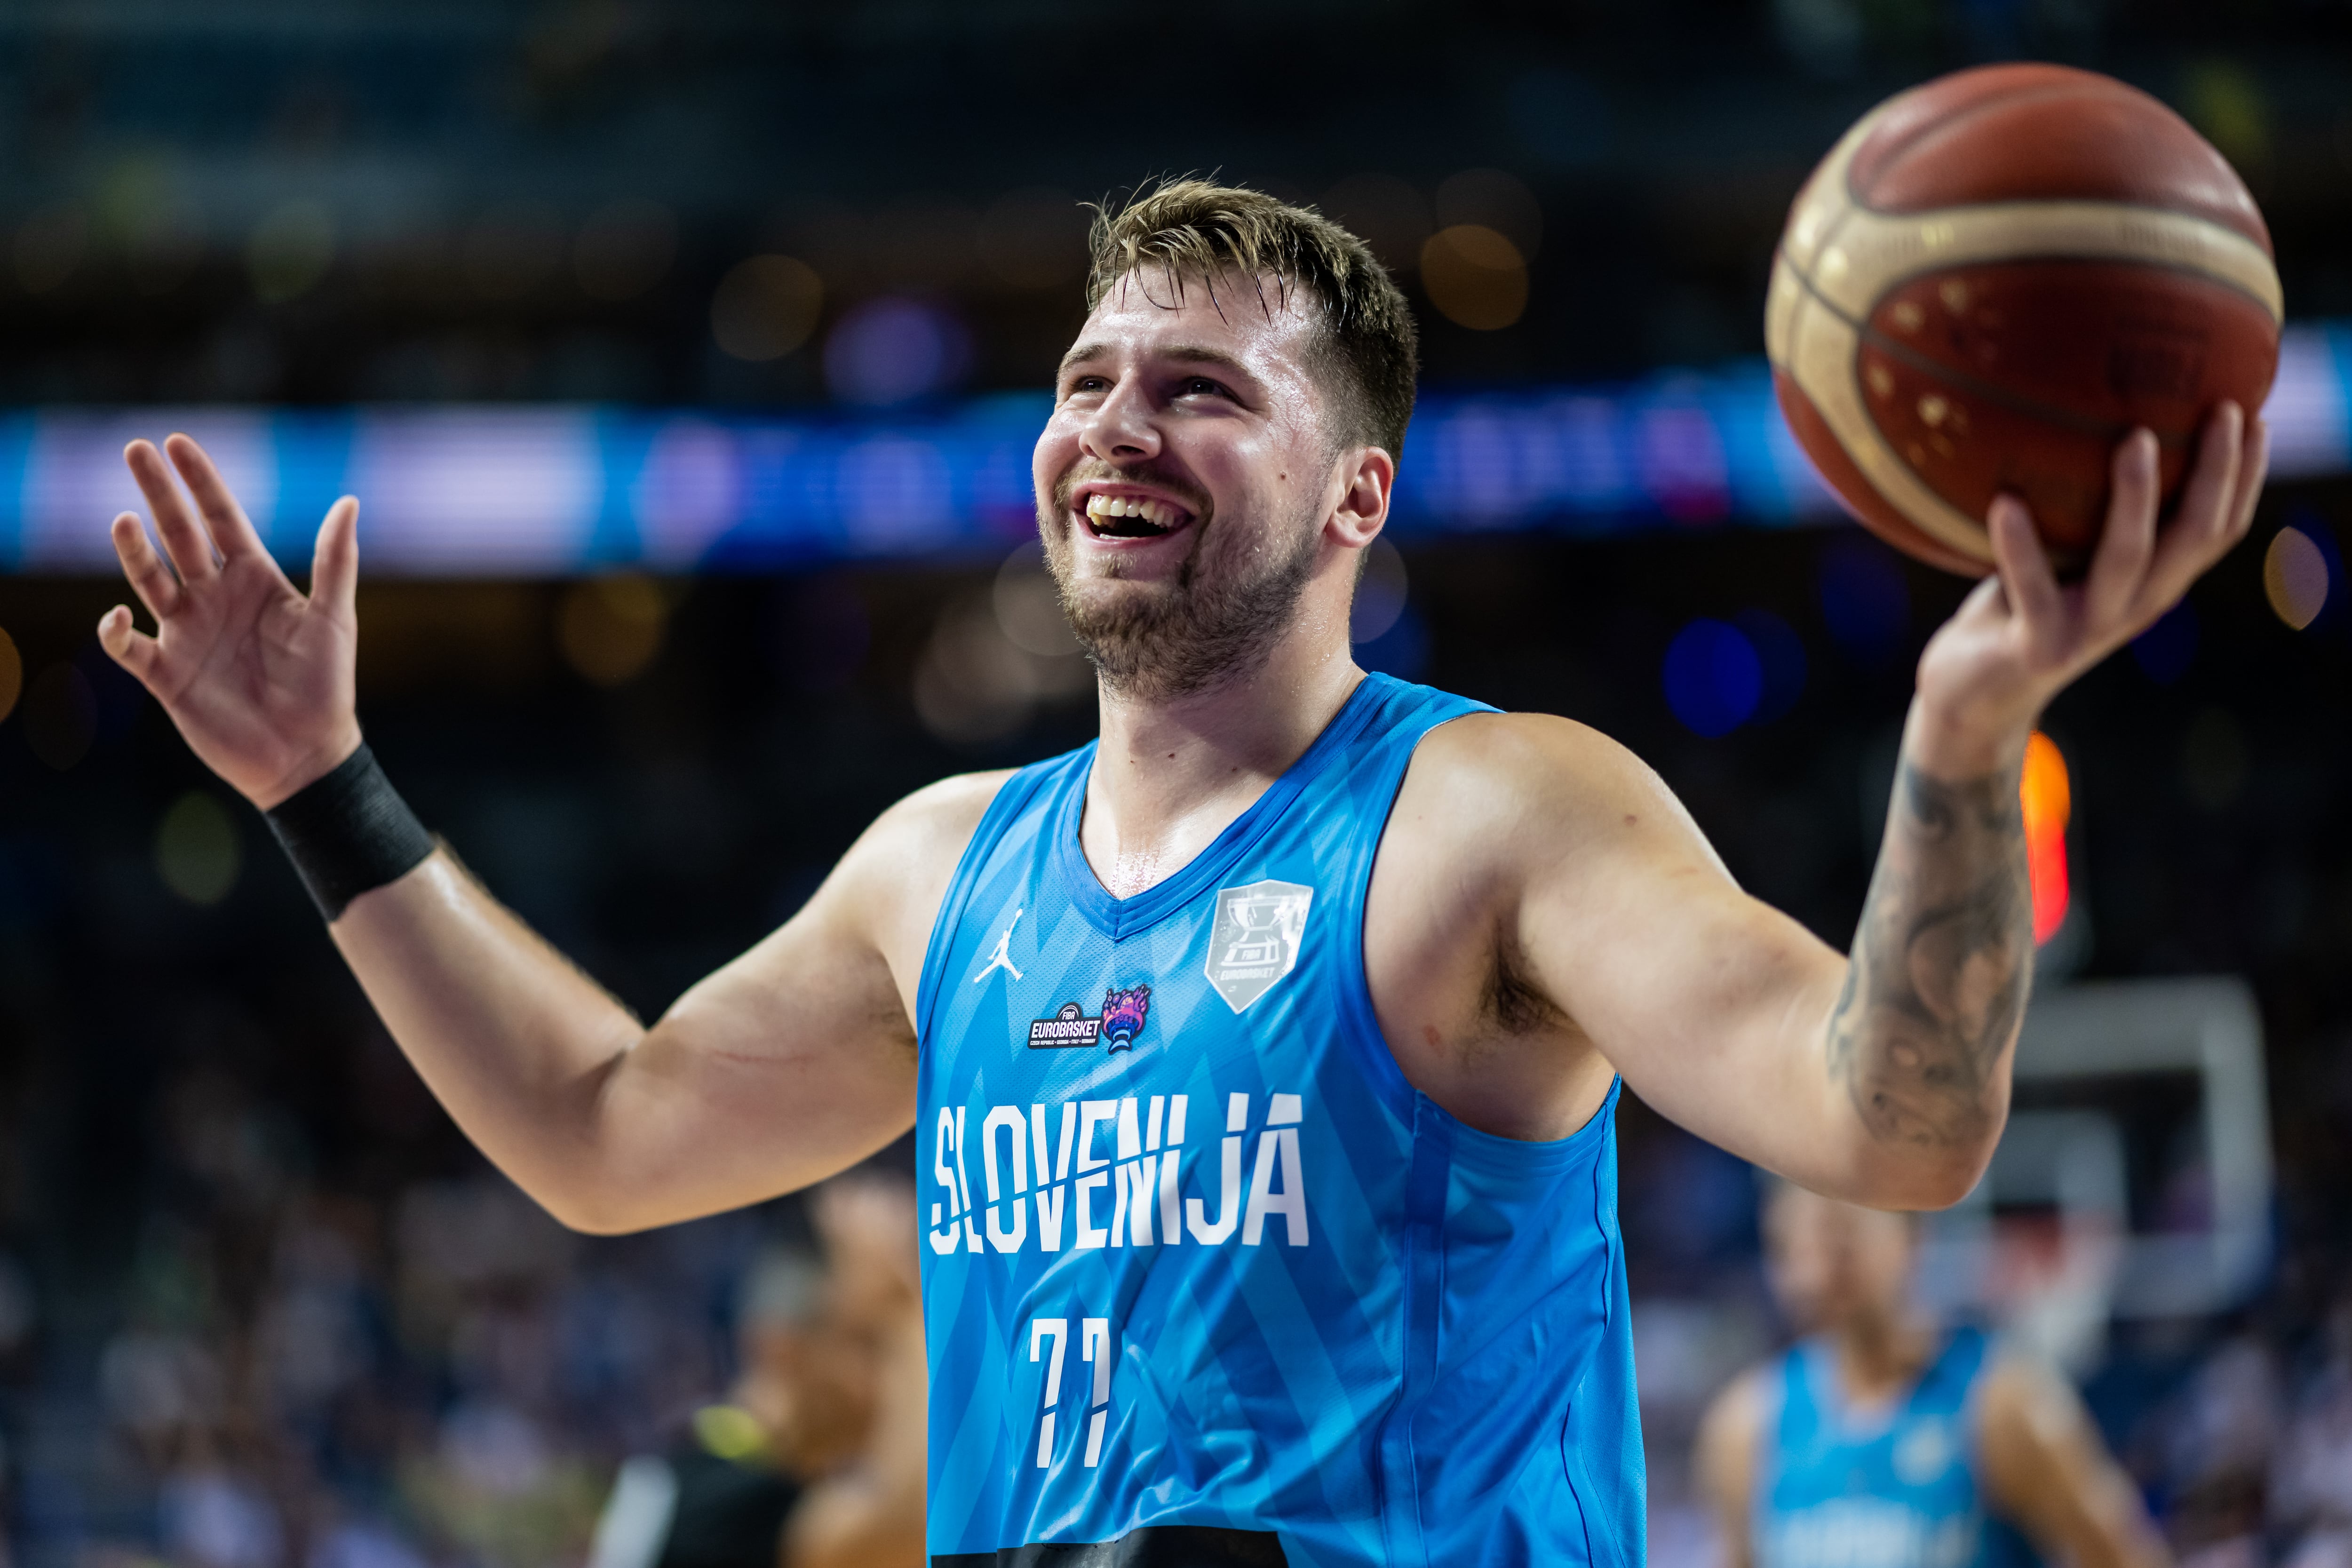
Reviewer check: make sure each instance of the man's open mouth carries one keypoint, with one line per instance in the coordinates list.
(1133, 517)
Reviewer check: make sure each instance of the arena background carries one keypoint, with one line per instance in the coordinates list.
(679, 353)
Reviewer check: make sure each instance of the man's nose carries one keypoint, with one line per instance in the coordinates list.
(1121, 428)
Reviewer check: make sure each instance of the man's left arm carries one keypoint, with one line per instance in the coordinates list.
(1883, 1078)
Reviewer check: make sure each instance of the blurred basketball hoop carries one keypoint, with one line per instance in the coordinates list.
(2134, 1180)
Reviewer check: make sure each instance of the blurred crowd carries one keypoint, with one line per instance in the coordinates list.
(291, 1376)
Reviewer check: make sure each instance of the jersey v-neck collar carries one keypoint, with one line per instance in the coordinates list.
(1119, 918)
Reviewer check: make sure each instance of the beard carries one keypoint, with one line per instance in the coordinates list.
(1214, 624)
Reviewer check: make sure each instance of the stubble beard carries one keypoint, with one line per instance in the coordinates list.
(1213, 626)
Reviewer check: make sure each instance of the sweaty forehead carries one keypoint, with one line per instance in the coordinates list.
(1256, 321)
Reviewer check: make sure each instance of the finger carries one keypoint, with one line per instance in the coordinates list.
(232, 530)
(2126, 544)
(2253, 468)
(149, 578)
(335, 564)
(1984, 597)
(183, 538)
(2199, 530)
(132, 649)
(2025, 572)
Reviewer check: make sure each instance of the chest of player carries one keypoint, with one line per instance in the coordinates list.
(1090, 1089)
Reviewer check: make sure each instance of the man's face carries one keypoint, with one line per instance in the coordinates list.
(1832, 1263)
(1183, 478)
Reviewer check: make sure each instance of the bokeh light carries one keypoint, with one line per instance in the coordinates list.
(2045, 797)
(1028, 609)
(610, 628)
(2163, 651)
(972, 685)
(2294, 577)
(1866, 603)
(1780, 655)
(1476, 277)
(766, 306)
(1714, 679)
(197, 851)
(12, 675)
(891, 351)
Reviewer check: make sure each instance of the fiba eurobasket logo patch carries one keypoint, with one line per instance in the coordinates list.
(1120, 1020)
(1255, 940)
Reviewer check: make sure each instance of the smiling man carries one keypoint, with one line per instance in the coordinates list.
(1264, 1053)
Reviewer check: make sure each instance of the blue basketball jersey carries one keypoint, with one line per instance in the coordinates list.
(1891, 1489)
(1204, 1274)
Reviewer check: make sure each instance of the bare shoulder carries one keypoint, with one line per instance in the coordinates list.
(900, 869)
(939, 817)
(1503, 787)
(2026, 1404)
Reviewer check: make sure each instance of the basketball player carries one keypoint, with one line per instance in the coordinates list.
(1263, 1053)
(833, 1376)
(1880, 1442)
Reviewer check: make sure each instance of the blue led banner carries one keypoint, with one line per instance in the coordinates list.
(504, 490)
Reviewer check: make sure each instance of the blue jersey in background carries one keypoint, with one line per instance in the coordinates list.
(1894, 1487)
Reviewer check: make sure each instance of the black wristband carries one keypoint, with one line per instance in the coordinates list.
(348, 832)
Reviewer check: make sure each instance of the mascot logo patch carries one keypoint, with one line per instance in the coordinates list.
(1123, 1014)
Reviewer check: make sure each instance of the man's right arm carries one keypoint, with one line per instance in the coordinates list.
(793, 1062)
(790, 1064)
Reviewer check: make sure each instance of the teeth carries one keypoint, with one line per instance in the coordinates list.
(1160, 514)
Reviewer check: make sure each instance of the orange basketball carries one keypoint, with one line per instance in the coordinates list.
(1993, 278)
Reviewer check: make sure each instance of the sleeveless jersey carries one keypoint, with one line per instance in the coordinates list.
(1205, 1275)
(1893, 1489)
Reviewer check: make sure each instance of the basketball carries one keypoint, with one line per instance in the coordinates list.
(1991, 280)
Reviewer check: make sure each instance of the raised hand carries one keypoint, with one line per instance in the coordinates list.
(2023, 635)
(257, 676)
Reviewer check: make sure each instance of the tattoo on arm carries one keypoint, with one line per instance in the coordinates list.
(1941, 963)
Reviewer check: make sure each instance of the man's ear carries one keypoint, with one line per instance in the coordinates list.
(1364, 476)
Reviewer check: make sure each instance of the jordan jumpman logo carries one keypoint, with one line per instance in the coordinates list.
(1003, 959)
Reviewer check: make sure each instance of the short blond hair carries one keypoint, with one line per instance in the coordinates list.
(1367, 352)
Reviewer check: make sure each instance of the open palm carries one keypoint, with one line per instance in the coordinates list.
(257, 675)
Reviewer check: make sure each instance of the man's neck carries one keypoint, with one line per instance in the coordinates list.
(1880, 1353)
(1170, 774)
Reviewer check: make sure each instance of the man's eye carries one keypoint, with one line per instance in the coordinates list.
(1202, 384)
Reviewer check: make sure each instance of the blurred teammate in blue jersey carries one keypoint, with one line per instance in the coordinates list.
(1883, 1441)
(1261, 1053)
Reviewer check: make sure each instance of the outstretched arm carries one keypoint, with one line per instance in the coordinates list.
(790, 1063)
(1882, 1080)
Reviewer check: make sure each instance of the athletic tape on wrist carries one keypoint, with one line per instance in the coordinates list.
(348, 832)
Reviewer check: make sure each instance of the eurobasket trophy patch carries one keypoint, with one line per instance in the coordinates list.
(1255, 940)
